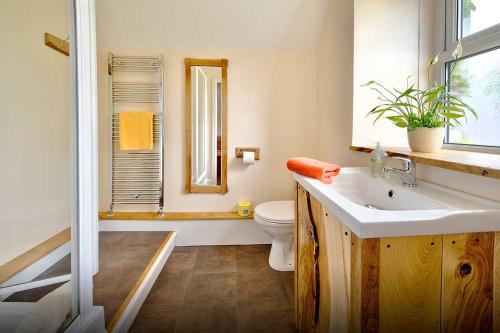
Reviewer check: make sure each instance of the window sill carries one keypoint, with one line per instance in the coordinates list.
(481, 164)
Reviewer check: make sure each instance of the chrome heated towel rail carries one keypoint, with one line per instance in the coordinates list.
(136, 83)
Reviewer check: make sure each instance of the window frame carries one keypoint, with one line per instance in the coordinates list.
(447, 33)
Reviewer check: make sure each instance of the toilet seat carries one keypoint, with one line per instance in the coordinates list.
(275, 212)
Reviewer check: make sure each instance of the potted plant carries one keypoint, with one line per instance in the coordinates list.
(424, 113)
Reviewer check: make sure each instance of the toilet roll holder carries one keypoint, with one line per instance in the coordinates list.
(241, 150)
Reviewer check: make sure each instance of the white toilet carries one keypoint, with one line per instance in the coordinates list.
(277, 219)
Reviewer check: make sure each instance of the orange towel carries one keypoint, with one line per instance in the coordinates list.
(313, 168)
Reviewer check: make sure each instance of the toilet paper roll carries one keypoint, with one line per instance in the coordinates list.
(248, 157)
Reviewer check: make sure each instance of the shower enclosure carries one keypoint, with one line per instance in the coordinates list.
(47, 175)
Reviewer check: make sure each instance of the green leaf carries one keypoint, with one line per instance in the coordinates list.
(452, 115)
(395, 118)
(452, 108)
(378, 117)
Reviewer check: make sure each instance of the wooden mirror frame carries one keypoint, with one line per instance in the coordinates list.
(189, 186)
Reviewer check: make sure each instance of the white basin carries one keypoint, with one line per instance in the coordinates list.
(373, 207)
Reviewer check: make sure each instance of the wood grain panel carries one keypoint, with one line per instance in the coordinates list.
(468, 283)
(296, 257)
(28, 258)
(365, 269)
(356, 285)
(496, 285)
(169, 216)
(410, 284)
(339, 253)
(322, 279)
(306, 269)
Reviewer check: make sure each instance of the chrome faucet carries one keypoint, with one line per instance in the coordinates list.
(408, 174)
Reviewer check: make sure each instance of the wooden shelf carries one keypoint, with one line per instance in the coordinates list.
(150, 216)
(481, 164)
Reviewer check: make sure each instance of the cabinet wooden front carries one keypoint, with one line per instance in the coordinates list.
(438, 283)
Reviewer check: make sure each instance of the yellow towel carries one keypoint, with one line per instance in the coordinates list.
(136, 130)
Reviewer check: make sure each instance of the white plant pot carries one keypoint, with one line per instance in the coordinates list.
(426, 140)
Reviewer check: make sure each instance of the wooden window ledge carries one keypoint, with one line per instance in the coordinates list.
(170, 216)
(481, 164)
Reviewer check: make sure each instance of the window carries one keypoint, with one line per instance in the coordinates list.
(476, 75)
(477, 15)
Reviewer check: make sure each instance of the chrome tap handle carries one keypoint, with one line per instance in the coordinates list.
(408, 173)
(406, 162)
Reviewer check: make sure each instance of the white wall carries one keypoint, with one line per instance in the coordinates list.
(335, 86)
(271, 105)
(220, 24)
(35, 126)
(385, 50)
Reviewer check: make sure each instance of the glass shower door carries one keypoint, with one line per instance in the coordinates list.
(38, 154)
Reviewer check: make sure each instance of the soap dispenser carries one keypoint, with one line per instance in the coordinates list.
(378, 158)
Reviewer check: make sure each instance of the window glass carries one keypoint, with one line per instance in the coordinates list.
(477, 80)
(478, 15)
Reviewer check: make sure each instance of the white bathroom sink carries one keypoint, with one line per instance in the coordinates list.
(373, 207)
(364, 190)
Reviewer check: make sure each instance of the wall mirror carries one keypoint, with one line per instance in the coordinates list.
(206, 125)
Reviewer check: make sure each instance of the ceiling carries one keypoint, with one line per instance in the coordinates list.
(255, 24)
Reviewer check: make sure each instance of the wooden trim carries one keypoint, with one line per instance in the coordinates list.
(172, 216)
(138, 283)
(207, 62)
(189, 133)
(224, 130)
(57, 43)
(189, 187)
(480, 164)
(195, 188)
(31, 256)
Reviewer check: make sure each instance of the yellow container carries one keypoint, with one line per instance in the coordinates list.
(244, 208)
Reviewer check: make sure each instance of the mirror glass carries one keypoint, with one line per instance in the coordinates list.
(206, 113)
(206, 121)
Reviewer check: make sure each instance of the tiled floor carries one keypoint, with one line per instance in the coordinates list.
(123, 256)
(218, 289)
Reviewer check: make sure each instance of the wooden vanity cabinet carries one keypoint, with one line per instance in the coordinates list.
(438, 283)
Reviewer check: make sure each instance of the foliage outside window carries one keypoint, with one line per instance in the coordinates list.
(476, 76)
